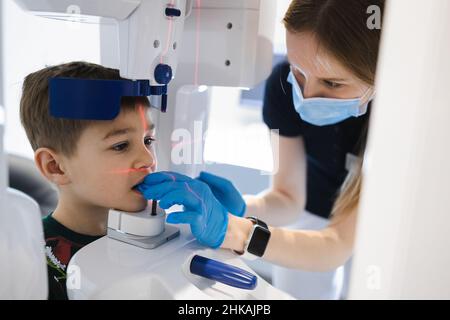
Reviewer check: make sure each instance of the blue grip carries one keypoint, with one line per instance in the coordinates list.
(222, 272)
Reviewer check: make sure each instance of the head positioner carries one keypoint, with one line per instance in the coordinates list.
(149, 34)
(92, 99)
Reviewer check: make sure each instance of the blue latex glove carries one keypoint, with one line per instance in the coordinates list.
(207, 218)
(225, 192)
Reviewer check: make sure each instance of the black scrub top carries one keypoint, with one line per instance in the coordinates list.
(326, 147)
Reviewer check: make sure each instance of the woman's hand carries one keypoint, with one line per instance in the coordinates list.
(225, 192)
(202, 211)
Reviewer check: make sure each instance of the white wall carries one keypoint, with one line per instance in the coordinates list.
(31, 43)
(3, 177)
(402, 248)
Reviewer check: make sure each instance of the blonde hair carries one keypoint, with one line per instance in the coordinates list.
(349, 194)
(341, 28)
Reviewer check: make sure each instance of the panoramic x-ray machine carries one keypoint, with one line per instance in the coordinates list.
(178, 46)
(173, 49)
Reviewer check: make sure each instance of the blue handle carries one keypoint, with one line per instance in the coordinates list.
(222, 272)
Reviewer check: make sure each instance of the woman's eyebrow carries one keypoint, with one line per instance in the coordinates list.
(331, 79)
(334, 79)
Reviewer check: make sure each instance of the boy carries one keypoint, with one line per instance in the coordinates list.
(94, 164)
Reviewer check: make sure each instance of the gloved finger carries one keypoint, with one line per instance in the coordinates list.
(159, 190)
(164, 176)
(182, 217)
(181, 196)
(215, 182)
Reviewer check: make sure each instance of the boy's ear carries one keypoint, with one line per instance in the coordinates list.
(51, 166)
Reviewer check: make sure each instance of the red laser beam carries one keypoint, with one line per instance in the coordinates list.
(164, 53)
(145, 126)
(129, 170)
(169, 34)
(143, 117)
(171, 176)
(197, 42)
(196, 196)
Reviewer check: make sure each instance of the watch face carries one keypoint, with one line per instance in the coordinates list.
(258, 243)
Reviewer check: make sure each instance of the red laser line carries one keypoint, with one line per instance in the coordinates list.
(168, 41)
(197, 196)
(143, 117)
(129, 170)
(169, 33)
(171, 176)
(145, 126)
(197, 42)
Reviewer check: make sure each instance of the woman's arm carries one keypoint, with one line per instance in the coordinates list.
(322, 250)
(285, 200)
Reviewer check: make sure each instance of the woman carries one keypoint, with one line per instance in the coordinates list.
(319, 101)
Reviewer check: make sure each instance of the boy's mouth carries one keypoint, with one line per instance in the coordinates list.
(134, 188)
(136, 191)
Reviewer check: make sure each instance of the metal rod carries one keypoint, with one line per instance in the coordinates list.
(154, 204)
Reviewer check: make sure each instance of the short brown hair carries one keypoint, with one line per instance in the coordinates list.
(44, 130)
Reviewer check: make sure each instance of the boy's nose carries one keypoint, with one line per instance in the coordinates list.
(146, 161)
(146, 165)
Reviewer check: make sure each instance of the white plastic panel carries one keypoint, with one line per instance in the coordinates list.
(163, 273)
(23, 268)
(3, 163)
(62, 9)
(227, 46)
(3, 172)
(402, 249)
(137, 36)
(228, 4)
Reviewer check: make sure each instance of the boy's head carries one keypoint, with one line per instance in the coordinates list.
(92, 162)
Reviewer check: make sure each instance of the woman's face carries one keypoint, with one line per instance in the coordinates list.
(318, 73)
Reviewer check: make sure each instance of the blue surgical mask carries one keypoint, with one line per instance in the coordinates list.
(324, 111)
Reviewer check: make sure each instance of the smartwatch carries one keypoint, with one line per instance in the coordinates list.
(257, 241)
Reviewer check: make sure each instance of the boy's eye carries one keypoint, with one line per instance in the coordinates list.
(148, 141)
(120, 146)
(332, 85)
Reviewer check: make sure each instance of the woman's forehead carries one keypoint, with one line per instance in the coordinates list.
(305, 53)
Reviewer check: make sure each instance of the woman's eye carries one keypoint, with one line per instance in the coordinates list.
(332, 85)
(149, 141)
(120, 146)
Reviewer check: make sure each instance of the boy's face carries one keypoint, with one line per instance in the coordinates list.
(111, 158)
